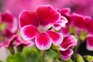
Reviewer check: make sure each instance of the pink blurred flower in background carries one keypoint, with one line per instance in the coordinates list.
(16, 6)
(8, 26)
(89, 42)
(78, 6)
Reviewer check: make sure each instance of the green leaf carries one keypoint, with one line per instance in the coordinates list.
(2, 26)
(83, 35)
(0, 61)
(15, 58)
(52, 55)
(88, 58)
(72, 30)
(31, 54)
(79, 58)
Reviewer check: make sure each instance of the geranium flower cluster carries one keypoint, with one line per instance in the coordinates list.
(46, 29)
(80, 26)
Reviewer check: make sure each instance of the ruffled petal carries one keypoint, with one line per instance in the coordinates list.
(47, 15)
(89, 43)
(19, 42)
(65, 55)
(89, 25)
(27, 18)
(68, 42)
(57, 38)
(43, 41)
(9, 42)
(78, 21)
(60, 23)
(29, 32)
(7, 18)
(65, 11)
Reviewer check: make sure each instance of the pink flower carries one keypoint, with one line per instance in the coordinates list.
(89, 42)
(65, 47)
(65, 31)
(15, 41)
(61, 23)
(11, 24)
(66, 12)
(17, 6)
(89, 26)
(65, 55)
(19, 42)
(78, 21)
(36, 25)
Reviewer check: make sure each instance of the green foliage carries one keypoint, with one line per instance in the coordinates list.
(31, 54)
(15, 58)
(79, 58)
(88, 58)
(52, 55)
(83, 35)
(72, 30)
(2, 26)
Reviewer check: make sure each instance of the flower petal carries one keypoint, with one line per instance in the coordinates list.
(19, 42)
(65, 55)
(43, 41)
(60, 23)
(47, 15)
(29, 32)
(89, 43)
(65, 31)
(78, 21)
(65, 11)
(57, 38)
(9, 42)
(68, 42)
(27, 18)
(7, 18)
(89, 25)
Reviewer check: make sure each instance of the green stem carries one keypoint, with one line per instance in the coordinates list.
(42, 55)
(11, 49)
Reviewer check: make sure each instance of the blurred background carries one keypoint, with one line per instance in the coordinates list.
(84, 7)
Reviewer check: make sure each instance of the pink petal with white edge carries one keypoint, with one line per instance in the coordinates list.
(47, 15)
(43, 41)
(65, 55)
(68, 41)
(29, 32)
(60, 23)
(57, 38)
(89, 42)
(27, 18)
(19, 42)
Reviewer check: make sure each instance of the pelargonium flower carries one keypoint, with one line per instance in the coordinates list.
(89, 26)
(61, 23)
(65, 55)
(65, 47)
(66, 12)
(37, 25)
(15, 41)
(10, 23)
(78, 21)
(89, 42)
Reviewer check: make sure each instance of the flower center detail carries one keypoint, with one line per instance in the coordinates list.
(41, 29)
